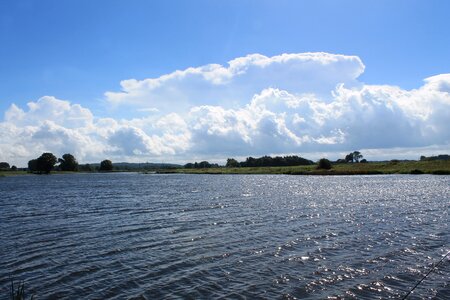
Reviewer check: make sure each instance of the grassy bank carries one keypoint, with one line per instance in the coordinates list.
(410, 167)
(438, 167)
(12, 173)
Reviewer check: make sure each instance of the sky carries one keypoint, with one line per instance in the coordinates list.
(179, 81)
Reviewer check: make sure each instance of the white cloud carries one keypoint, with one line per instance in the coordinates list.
(233, 85)
(130, 141)
(49, 108)
(292, 103)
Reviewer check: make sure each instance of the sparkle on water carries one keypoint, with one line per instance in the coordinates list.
(116, 236)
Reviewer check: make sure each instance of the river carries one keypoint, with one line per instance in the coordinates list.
(136, 236)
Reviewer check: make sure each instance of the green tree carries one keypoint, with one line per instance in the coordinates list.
(357, 156)
(33, 165)
(349, 157)
(324, 164)
(204, 164)
(46, 162)
(68, 163)
(4, 166)
(232, 163)
(85, 168)
(106, 165)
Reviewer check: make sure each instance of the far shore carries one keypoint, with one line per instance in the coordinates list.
(438, 167)
(441, 167)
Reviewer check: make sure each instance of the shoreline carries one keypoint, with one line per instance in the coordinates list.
(438, 167)
(370, 168)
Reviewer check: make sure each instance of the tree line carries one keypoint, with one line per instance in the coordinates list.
(45, 163)
(268, 161)
(200, 165)
(278, 161)
(352, 157)
(4, 166)
(437, 157)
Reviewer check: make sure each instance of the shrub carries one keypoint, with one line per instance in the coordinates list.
(106, 165)
(416, 172)
(441, 172)
(324, 164)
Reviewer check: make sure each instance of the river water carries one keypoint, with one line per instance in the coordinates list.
(136, 236)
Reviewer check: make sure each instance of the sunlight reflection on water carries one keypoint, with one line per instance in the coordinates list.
(107, 236)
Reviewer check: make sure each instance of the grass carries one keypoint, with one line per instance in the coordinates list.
(394, 167)
(12, 173)
(19, 292)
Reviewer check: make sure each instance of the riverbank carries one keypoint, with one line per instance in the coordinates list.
(437, 167)
(12, 173)
(441, 167)
(16, 173)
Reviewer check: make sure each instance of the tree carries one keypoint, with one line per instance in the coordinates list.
(68, 163)
(4, 166)
(33, 165)
(42, 164)
(357, 156)
(13, 168)
(200, 165)
(324, 164)
(85, 168)
(46, 162)
(204, 164)
(106, 165)
(349, 157)
(232, 163)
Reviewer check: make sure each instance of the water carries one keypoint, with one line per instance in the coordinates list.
(119, 236)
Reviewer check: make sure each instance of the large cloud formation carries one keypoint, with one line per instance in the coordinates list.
(291, 103)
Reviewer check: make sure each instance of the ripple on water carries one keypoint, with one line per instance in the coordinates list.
(115, 236)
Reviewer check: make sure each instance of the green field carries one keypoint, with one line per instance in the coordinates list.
(409, 167)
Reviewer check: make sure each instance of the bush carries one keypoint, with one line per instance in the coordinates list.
(4, 166)
(416, 172)
(324, 164)
(106, 165)
(441, 172)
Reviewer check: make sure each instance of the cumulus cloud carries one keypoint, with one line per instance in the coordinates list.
(49, 108)
(60, 127)
(291, 103)
(236, 83)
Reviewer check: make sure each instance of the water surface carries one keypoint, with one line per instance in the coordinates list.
(119, 236)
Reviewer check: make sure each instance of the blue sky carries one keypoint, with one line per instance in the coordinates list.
(79, 50)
